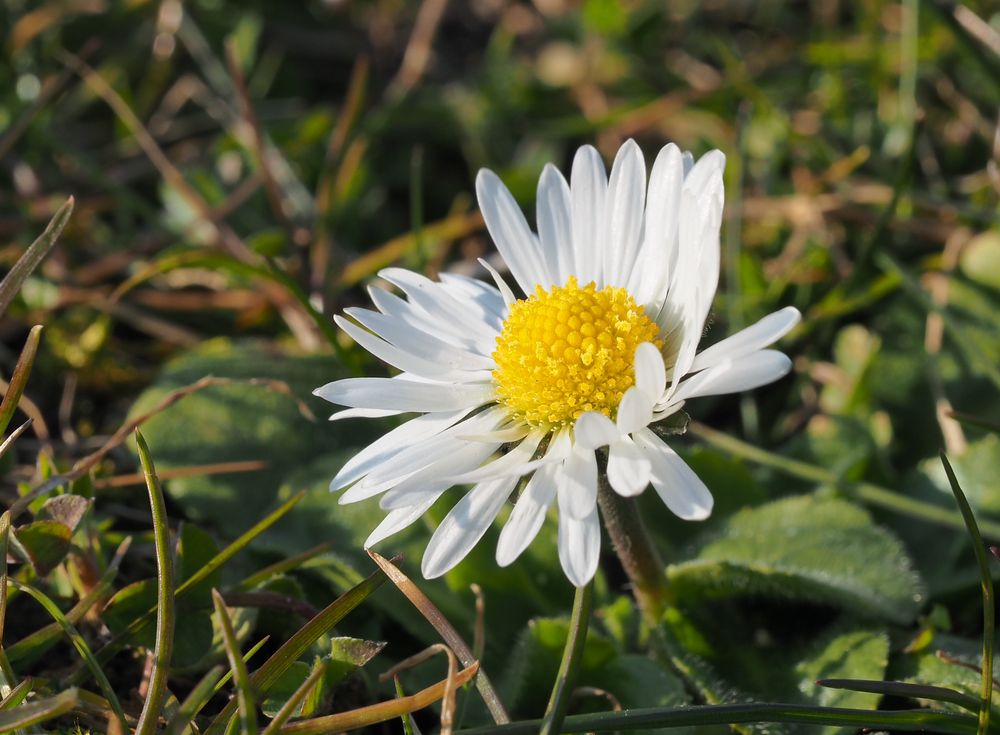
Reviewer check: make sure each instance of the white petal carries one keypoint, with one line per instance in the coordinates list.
(399, 519)
(579, 546)
(588, 188)
(529, 512)
(508, 296)
(555, 226)
(403, 436)
(404, 395)
(751, 371)
(650, 374)
(437, 475)
(439, 369)
(678, 486)
(363, 413)
(487, 297)
(629, 469)
(593, 430)
(578, 487)
(510, 232)
(397, 465)
(412, 317)
(705, 177)
(462, 528)
(768, 330)
(515, 463)
(623, 213)
(635, 411)
(658, 252)
(450, 314)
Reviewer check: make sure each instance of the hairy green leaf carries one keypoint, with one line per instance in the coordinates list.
(809, 548)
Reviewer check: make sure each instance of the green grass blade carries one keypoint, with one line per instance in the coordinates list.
(6, 672)
(32, 646)
(29, 715)
(165, 616)
(265, 677)
(79, 644)
(119, 641)
(913, 720)
(864, 492)
(34, 255)
(246, 659)
(905, 689)
(19, 379)
(16, 695)
(986, 579)
(244, 690)
(576, 640)
(194, 701)
(283, 566)
(289, 707)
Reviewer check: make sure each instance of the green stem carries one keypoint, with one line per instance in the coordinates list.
(572, 654)
(636, 553)
(865, 492)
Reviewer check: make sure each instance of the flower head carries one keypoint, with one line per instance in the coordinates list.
(618, 283)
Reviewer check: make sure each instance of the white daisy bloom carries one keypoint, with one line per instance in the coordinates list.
(619, 280)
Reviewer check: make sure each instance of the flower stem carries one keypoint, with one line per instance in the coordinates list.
(572, 654)
(636, 553)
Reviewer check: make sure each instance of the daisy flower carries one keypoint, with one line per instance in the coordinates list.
(526, 390)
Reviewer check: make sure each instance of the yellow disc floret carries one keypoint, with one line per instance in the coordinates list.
(569, 350)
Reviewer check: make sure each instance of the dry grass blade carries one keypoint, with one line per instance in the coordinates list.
(34, 255)
(450, 228)
(19, 379)
(218, 468)
(84, 465)
(364, 716)
(29, 715)
(448, 703)
(244, 691)
(165, 618)
(7, 443)
(446, 631)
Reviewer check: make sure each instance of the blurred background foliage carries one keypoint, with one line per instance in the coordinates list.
(243, 169)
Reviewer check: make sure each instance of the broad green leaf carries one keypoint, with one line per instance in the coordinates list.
(240, 422)
(279, 693)
(809, 548)
(43, 544)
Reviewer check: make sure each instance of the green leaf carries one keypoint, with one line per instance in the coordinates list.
(859, 653)
(128, 604)
(43, 544)
(240, 422)
(809, 548)
(980, 260)
(635, 681)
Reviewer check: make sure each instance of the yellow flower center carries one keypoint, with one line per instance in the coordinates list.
(569, 350)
